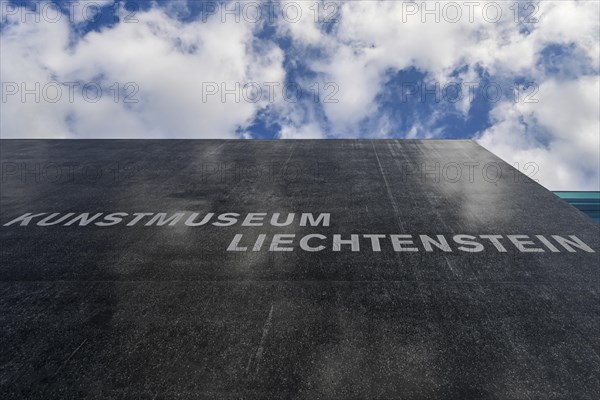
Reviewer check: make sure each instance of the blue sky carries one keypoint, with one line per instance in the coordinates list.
(520, 78)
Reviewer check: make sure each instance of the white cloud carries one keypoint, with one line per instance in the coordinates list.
(566, 153)
(308, 131)
(169, 61)
(373, 37)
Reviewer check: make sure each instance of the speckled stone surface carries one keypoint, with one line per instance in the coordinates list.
(165, 312)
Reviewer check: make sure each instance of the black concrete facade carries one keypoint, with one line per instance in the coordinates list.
(166, 312)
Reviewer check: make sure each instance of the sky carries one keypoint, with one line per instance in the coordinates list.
(520, 78)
